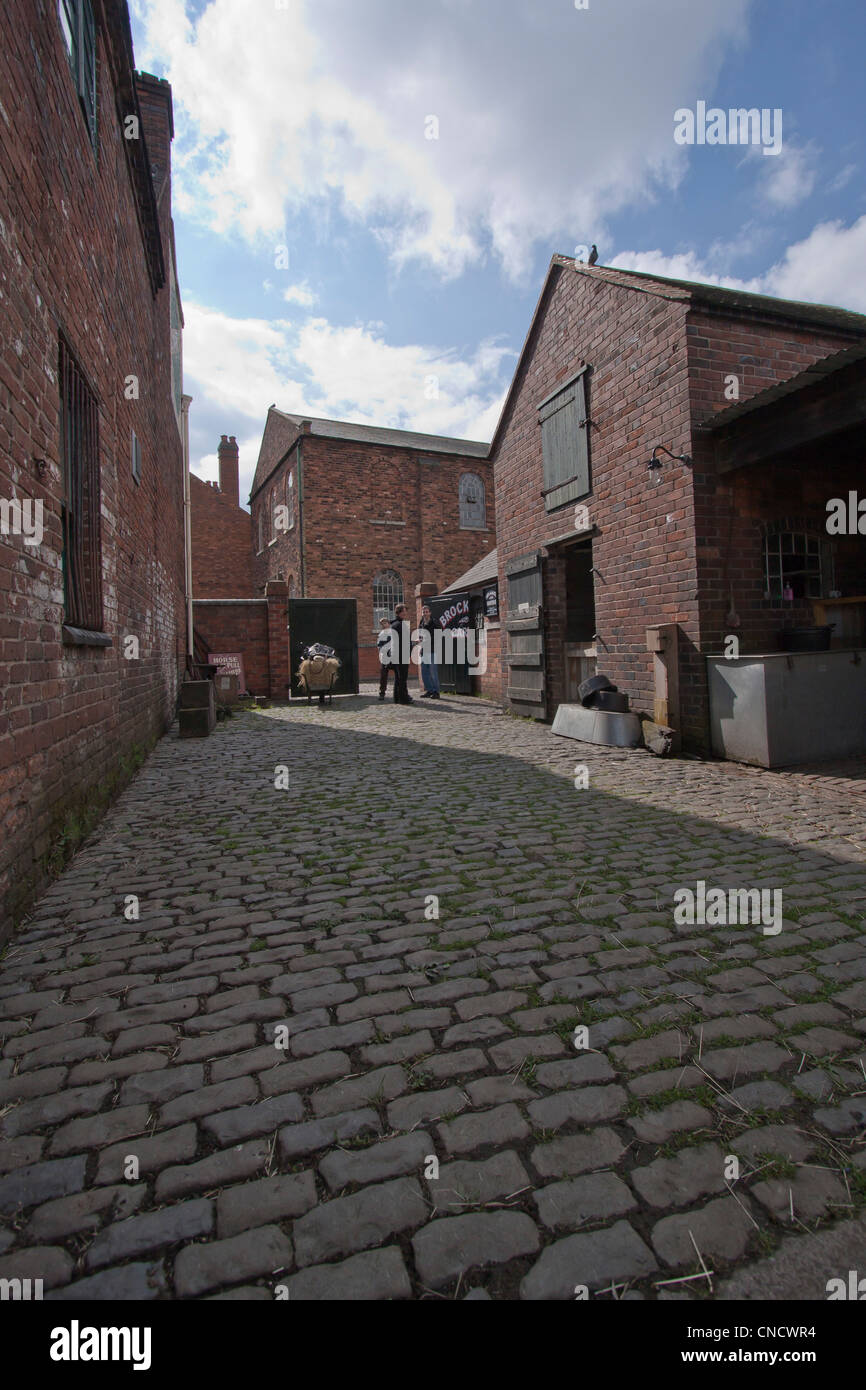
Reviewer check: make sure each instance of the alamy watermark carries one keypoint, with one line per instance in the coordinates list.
(737, 126)
(446, 646)
(22, 518)
(846, 516)
(725, 907)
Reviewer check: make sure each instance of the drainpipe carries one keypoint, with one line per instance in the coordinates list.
(187, 524)
(305, 427)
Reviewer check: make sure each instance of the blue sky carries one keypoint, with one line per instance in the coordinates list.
(414, 263)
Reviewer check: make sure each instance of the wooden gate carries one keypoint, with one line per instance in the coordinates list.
(524, 624)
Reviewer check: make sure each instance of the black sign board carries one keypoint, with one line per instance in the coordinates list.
(452, 611)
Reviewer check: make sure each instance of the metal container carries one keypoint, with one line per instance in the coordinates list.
(806, 639)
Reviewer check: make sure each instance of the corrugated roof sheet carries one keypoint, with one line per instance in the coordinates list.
(483, 572)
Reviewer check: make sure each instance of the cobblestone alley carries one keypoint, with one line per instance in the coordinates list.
(242, 1092)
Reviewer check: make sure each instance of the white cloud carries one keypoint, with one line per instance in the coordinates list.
(235, 368)
(300, 294)
(550, 118)
(826, 267)
(842, 179)
(355, 374)
(790, 177)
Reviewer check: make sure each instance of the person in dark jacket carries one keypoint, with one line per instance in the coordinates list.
(401, 649)
(383, 642)
(429, 673)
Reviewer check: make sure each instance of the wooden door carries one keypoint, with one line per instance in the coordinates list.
(524, 624)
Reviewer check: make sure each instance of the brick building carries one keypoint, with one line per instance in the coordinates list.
(602, 557)
(222, 556)
(350, 511)
(479, 589)
(92, 622)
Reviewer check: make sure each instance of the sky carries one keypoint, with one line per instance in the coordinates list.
(367, 193)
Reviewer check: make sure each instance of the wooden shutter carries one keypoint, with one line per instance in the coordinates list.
(525, 689)
(565, 444)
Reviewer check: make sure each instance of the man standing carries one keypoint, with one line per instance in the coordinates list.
(401, 649)
(383, 642)
(429, 673)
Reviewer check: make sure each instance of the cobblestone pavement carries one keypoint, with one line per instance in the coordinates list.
(245, 1088)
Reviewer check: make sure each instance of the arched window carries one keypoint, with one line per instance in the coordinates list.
(290, 499)
(387, 593)
(273, 513)
(473, 515)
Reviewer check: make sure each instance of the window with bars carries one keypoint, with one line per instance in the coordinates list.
(79, 445)
(79, 34)
(793, 564)
(387, 593)
(472, 503)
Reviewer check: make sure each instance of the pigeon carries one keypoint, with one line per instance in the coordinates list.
(593, 255)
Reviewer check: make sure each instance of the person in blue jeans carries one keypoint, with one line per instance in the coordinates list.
(429, 673)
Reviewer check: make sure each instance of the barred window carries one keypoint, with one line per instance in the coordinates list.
(793, 562)
(79, 34)
(82, 543)
(387, 593)
(473, 515)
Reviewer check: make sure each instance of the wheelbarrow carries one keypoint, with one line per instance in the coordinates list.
(318, 672)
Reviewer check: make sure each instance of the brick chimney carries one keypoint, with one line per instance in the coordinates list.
(228, 460)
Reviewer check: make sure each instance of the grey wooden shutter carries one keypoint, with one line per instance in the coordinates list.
(565, 444)
(525, 690)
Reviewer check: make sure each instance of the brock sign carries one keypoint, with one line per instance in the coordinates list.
(455, 616)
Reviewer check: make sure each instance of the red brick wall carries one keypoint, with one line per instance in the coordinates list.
(638, 396)
(758, 352)
(233, 625)
(349, 491)
(667, 550)
(222, 560)
(72, 258)
(280, 553)
(490, 684)
(731, 509)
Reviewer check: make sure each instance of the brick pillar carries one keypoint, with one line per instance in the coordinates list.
(277, 594)
(227, 453)
(423, 592)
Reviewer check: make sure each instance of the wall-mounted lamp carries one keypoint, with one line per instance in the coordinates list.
(657, 463)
